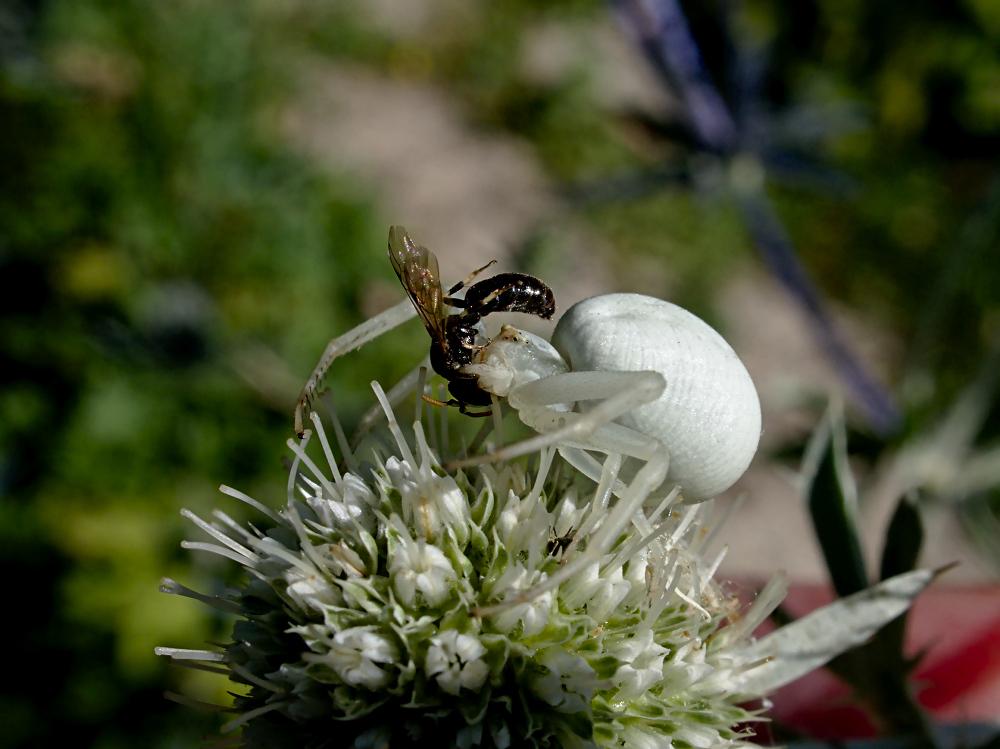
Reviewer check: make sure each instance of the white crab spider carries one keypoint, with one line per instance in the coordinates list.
(660, 377)
(537, 383)
(650, 380)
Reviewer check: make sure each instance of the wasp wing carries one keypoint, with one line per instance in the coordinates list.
(417, 268)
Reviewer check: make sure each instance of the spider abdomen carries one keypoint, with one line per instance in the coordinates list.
(708, 417)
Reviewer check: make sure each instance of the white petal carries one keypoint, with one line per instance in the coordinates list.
(469, 648)
(474, 675)
(405, 585)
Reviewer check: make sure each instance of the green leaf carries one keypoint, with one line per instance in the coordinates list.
(903, 539)
(832, 497)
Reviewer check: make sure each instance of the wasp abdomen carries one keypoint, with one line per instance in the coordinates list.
(511, 292)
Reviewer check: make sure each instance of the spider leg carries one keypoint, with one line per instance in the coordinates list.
(615, 438)
(353, 339)
(618, 516)
(570, 387)
(396, 394)
(621, 392)
(588, 465)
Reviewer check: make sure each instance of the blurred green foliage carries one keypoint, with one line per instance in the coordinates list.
(157, 239)
(170, 268)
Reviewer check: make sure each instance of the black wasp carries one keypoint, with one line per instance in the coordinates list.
(453, 335)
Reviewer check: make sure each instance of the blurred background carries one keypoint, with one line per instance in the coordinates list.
(195, 196)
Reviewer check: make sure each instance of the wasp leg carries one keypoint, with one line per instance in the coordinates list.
(475, 414)
(466, 281)
(462, 407)
(435, 402)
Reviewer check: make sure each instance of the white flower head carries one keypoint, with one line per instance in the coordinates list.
(455, 662)
(354, 655)
(431, 503)
(416, 566)
(566, 681)
(641, 666)
(532, 615)
(311, 590)
(394, 602)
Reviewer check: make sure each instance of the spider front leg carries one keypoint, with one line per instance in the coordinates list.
(353, 339)
(409, 384)
(543, 405)
(614, 518)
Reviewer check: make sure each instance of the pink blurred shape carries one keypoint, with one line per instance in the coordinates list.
(957, 681)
